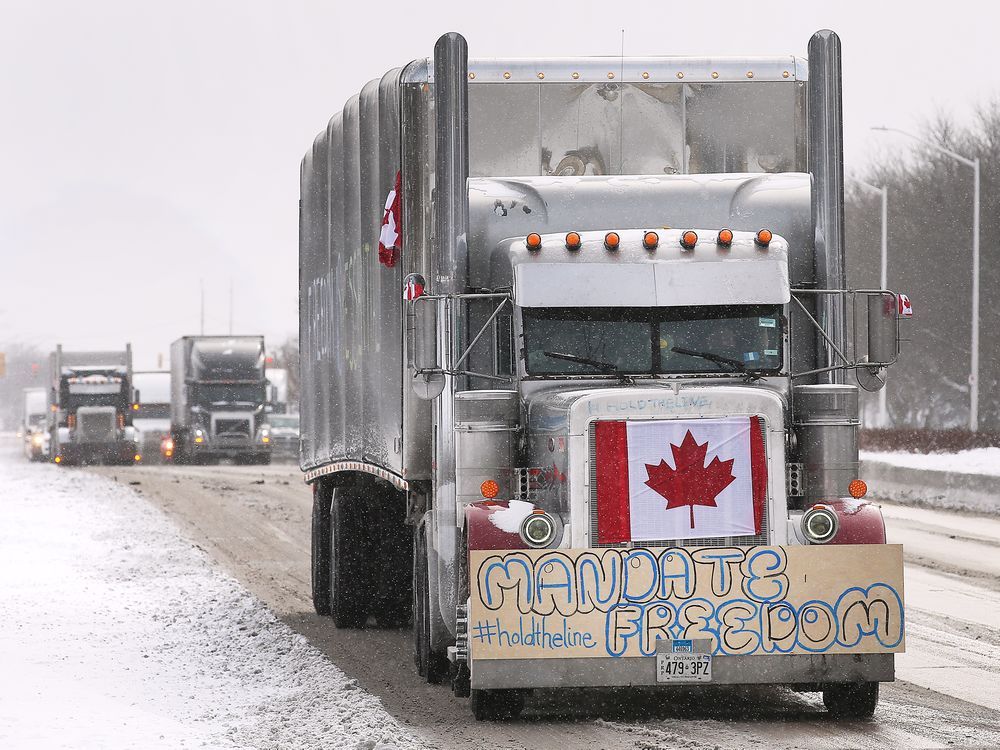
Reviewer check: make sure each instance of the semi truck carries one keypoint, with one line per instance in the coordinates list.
(580, 374)
(91, 400)
(151, 412)
(217, 400)
(34, 415)
(277, 390)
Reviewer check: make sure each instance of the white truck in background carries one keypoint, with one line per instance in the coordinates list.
(34, 411)
(151, 412)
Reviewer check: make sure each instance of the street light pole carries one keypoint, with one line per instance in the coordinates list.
(974, 374)
(883, 192)
(974, 353)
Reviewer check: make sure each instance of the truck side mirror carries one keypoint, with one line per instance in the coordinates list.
(426, 375)
(883, 341)
(883, 329)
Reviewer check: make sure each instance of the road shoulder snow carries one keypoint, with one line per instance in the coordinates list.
(965, 481)
(117, 632)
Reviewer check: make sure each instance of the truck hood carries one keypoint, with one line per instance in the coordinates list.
(570, 412)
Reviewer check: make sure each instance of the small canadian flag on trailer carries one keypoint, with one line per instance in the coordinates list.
(679, 478)
(905, 308)
(390, 240)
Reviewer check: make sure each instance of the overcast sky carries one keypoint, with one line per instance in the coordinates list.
(145, 146)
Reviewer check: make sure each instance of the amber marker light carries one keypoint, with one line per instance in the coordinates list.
(58, 459)
(489, 489)
(534, 241)
(763, 238)
(725, 238)
(612, 241)
(138, 457)
(689, 239)
(858, 489)
(650, 240)
(573, 241)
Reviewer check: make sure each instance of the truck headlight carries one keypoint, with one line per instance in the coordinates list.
(820, 524)
(538, 529)
(36, 440)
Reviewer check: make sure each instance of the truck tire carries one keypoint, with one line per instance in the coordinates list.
(432, 665)
(495, 705)
(854, 701)
(392, 552)
(350, 578)
(320, 549)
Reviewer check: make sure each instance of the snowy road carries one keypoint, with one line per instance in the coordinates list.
(255, 523)
(117, 632)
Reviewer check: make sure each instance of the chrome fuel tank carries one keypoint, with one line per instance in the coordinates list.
(486, 427)
(826, 424)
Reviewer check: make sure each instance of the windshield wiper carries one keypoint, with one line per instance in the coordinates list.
(596, 363)
(716, 358)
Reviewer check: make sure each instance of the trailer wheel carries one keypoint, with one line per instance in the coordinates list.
(320, 557)
(431, 665)
(392, 551)
(851, 700)
(350, 588)
(495, 705)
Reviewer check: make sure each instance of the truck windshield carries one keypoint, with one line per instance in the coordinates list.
(672, 340)
(229, 393)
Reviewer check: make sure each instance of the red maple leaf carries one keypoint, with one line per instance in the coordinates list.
(691, 483)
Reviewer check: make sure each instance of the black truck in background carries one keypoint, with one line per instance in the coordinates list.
(217, 399)
(91, 400)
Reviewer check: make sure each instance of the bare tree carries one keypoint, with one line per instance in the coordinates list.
(930, 258)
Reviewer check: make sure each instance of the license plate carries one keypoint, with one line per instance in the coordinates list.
(680, 667)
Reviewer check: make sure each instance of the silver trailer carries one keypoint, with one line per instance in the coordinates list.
(217, 400)
(588, 246)
(34, 415)
(91, 402)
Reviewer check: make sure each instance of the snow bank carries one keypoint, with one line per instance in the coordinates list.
(984, 461)
(965, 481)
(115, 632)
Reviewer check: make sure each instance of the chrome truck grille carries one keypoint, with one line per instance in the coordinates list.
(232, 428)
(748, 540)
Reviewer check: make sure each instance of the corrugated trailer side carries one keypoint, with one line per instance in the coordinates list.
(314, 310)
(351, 330)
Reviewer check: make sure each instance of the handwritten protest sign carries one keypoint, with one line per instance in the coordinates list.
(530, 604)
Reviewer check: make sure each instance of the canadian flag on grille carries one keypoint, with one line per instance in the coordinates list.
(390, 240)
(679, 479)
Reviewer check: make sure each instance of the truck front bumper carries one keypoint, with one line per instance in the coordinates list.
(230, 449)
(804, 670)
(121, 453)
